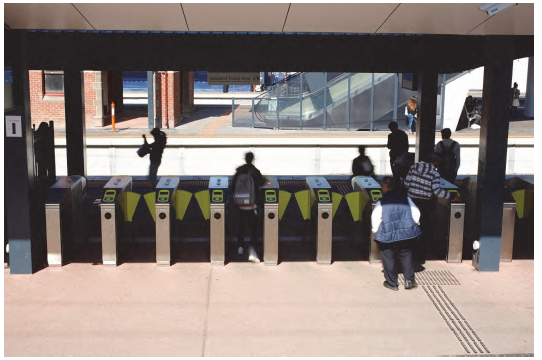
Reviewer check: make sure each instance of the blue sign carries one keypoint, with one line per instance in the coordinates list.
(8, 76)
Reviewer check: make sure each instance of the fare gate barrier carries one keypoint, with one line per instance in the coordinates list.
(165, 202)
(112, 216)
(320, 193)
(63, 216)
(218, 189)
(472, 225)
(270, 191)
(370, 192)
(449, 224)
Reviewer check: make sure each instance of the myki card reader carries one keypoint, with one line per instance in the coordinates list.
(109, 195)
(218, 196)
(323, 196)
(270, 196)
(376, 195)
(163, 196)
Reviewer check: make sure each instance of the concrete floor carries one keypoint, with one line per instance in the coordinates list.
(246, 309)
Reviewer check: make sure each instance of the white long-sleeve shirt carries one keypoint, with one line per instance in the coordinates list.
(376, 217)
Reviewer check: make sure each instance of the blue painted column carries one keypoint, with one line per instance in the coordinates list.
(529, 91)
(492, 155)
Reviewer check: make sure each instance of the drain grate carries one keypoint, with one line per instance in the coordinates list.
(443, 277)
(455, 320)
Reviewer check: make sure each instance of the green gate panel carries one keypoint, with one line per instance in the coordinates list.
(519, 196)
(149, 198)
(132, 199)
(336, 199)
(182, 199)
(204, 201)
(304, 201)
(284, 199)
(354, 203)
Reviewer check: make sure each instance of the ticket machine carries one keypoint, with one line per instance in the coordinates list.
(165, 198)
(63, 215)
(371, 193)
(112, 216)
(449, 222)
(270, 191)
(321, 195)
(218, 191)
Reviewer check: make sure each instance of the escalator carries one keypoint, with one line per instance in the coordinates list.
(301, 99)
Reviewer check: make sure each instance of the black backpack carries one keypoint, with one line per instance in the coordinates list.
(447, 166)
(402, 164)
(244, 190)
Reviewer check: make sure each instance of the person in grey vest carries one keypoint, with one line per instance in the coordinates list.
(395, 221)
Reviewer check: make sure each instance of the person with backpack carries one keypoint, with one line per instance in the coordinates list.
(246, 184)
(155, 149)
(398, 145)
(450, 153)
(362, 166)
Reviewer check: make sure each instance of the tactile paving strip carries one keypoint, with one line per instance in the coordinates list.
(442, 277)
(455, 321)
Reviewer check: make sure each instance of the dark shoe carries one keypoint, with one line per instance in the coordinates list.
(387, 285)
(418, 268)
(410, 284)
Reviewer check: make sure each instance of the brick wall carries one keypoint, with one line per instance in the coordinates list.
(47, 108)
(173, 104)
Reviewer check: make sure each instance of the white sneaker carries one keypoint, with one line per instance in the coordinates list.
(253, 256)
(240, 250)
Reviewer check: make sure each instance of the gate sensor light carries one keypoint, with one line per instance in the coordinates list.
(492, 9)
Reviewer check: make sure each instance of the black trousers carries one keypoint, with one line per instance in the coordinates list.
(398, 250)
(248, 226)
(427, 208)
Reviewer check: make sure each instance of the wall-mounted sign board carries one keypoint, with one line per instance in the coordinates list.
(13, 126)
(244, 78)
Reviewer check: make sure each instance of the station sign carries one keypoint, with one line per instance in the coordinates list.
(243, 78)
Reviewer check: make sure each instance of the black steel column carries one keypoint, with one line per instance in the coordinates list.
(427, 114)
(74, 100)
(19, 163)
(492, 155)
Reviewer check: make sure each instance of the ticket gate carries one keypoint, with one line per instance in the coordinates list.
(449, 222)
(112, 216)
(320, 193)
(63, 216)
(218, 189)
(472, 225)
(165, 198)
(270, 191)
(371, 193)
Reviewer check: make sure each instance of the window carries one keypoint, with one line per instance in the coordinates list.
(53, 82)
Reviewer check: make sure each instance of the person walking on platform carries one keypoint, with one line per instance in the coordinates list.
(246, 184)
(450, 153)
(155, 149)
(395, 221)
(362, 166)
(423, 185)
(398, 145)
(514, 100)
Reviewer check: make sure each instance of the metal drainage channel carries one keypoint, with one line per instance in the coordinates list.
(452, 316)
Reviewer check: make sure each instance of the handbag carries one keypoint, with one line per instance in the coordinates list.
(144, 150)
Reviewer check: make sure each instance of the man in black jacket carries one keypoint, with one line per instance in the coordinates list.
(248, 215)
(398, 145)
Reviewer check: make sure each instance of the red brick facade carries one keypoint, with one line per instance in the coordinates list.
(168, 112)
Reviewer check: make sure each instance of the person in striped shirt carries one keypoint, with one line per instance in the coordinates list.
(423, 187)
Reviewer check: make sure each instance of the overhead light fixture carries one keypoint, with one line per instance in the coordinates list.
(492, 9)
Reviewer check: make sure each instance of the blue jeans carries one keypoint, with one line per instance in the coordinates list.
(411, 120)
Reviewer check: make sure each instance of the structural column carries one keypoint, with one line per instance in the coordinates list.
(187, 93)
(492, 156)
(18, 162)
(427, 115)
(529, 92)
(75, 121)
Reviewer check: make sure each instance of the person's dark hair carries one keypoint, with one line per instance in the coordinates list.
(469, 97)
(249, 157)
(361, 149)
(434, 157)
(515, 84)
(446, 133)
(389, 182)
(155, 132)
(393, 125)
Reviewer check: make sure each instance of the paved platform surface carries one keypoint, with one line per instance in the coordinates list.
(247, 309)
(211, 121)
